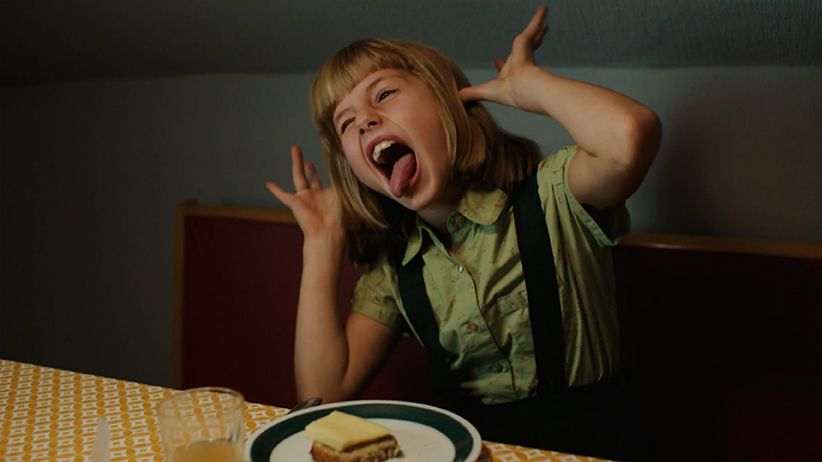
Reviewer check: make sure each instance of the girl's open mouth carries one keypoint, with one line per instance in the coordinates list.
(398, 163)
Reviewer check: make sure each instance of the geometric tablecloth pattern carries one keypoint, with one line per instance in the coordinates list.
(52, 414)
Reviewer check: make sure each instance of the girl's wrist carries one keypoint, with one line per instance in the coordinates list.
(325, 246)
(532, 88)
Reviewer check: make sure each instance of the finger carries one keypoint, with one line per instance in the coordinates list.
(313, 176)
(298, 169)
(537, 22)
(537, 40)
(279, 193)
(477, 92)
(308, 174)
(531, 37)
(469, 94)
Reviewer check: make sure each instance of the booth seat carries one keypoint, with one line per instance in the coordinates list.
(722, 337)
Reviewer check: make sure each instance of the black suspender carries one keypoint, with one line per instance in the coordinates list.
(544, 310)
(421, 317)
(543, 300)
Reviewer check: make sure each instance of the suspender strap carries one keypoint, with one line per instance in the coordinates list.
(544, 310)
(421, 317)
(543, 301)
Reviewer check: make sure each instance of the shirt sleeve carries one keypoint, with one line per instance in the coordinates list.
(613, 223)
(374, 296)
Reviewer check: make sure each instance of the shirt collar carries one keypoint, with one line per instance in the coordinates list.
(479, 207)
(482, 207)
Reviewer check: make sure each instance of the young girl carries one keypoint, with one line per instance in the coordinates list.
(496, 259)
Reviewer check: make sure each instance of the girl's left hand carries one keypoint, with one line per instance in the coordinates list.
(511, 86)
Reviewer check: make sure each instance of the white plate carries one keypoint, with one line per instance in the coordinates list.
(425, 433)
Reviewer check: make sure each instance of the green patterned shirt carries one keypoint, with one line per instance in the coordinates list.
(477, 288)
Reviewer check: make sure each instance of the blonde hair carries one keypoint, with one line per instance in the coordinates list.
(483, 155)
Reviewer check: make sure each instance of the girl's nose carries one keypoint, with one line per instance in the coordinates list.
(368, 122)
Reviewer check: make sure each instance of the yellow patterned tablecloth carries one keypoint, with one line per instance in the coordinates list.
(52, 414)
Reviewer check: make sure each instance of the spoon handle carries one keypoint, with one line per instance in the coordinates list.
(313, 401)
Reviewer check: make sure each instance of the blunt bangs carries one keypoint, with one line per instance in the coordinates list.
(343, 71)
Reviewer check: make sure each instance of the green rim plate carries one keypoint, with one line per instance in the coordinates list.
(460, 432)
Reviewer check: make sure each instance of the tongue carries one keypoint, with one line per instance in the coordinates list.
(401, 174)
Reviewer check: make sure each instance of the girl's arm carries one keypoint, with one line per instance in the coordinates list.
(617, 137)
(330, 360)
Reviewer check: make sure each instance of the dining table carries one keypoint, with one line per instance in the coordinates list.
(52, 414)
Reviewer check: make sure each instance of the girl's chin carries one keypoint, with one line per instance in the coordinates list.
(427, 199)
(422, 195)
(413, 200)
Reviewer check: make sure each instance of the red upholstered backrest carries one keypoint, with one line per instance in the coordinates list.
(723, 347)
(238, 280)
(722, 337)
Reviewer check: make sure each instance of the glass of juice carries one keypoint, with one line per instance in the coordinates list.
(203, 425)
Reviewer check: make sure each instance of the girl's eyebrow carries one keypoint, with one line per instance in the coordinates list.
(368, 89)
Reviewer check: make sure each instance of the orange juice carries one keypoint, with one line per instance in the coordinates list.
(209, 451)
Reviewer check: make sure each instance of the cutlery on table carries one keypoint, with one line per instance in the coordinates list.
(310, 402)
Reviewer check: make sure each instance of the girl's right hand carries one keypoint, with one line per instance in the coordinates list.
(316, 209)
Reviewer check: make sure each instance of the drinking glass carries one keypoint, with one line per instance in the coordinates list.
(203, 425)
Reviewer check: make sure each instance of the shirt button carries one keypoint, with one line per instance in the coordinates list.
(461, 268)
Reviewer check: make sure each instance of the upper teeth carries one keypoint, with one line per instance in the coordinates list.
(379, 148)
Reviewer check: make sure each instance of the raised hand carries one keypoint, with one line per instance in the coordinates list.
(511, 85)
(317, 209)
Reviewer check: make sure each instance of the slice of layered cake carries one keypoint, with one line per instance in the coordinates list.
(341, 437)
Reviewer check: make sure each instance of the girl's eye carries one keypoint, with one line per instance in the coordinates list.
(384, 94)
(345, 125)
